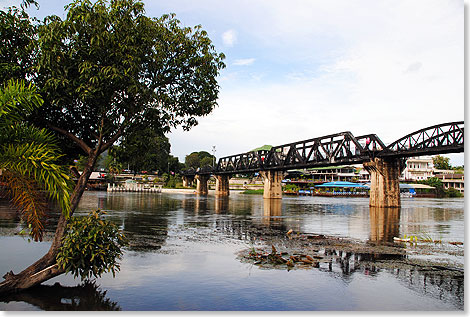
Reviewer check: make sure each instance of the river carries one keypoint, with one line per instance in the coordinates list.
(184, 255)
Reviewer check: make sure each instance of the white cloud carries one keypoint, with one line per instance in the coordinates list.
(243, 62)
(331, 66)
(229, 37)
(414, 67)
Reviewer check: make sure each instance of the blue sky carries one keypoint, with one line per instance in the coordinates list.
(303, 69)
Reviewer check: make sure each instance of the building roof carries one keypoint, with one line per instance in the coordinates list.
(328, 168)
(450, 176)
(416, 186)
(343, 185)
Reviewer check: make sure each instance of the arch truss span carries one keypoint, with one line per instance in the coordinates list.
(438, 139)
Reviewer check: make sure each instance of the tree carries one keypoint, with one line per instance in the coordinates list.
(174, 164)
(192, 160)
(17, 43)
(144, 149)
(441, 162)
(207, 161)
(106, 69)
(436, 183)
(199, 159)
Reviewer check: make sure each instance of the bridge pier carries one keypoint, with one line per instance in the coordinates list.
(272, 184)
(384, 183)
(222, 187)
(201, 184)
(187, 181)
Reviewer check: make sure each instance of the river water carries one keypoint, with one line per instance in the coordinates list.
(183, 255)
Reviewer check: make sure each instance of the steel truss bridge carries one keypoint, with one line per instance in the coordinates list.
(341, 148)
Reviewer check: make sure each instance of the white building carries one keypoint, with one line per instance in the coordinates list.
(456, 181)
(418, 168)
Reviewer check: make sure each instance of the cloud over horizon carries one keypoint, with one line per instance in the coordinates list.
(243, 61)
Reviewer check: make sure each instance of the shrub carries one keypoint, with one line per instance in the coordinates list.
(91, 247)
(291, 188)
(452, 192)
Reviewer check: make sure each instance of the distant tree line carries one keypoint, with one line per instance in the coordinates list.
(199, 159)
(443, 163)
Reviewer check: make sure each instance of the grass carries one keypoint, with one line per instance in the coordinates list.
(253, 192)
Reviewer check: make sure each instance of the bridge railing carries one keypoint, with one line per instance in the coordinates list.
(371, 143)
(438, 139)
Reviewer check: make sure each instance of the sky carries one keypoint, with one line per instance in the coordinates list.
(301, 69)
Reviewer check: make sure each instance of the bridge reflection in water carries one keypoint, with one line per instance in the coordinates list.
(384, 224)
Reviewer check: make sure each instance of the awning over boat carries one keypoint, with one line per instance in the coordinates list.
(415, 186)
(342, 185)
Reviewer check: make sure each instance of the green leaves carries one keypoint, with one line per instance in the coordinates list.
(91, 247)
(17, 43)
(17, 100)
(28, 157)
(108, 62)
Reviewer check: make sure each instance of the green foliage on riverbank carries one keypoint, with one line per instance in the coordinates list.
(440, 190)
(291, 188)
(91, 247)
(253, 192)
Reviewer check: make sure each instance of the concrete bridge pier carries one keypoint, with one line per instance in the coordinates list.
(188, 181)
(272, 184)
(384, 183)
(201, 185)
(222, 187)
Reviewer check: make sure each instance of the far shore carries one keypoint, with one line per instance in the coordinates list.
(192, 191)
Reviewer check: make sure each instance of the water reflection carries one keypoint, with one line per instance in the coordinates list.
(221, 205)
(86, 296)
(201, 205)
(272, 212)
(384, 224)
(187, 243)
(9, 219)
(347, 262)
(144, 219)
(430, 281)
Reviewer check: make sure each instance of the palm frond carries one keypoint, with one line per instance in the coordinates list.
(17, 100)
(37, 161)
(21, 133)
(26, 197)
(28, 158)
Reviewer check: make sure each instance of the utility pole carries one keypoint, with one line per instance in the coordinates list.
(213, 154)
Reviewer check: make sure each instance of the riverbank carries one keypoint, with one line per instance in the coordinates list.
(290, 251)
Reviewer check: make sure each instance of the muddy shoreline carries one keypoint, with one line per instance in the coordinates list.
(271, 249)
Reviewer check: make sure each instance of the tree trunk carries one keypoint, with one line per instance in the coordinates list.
(46, 268)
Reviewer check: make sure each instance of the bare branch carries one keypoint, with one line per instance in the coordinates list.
(111, 141)
(72, 137)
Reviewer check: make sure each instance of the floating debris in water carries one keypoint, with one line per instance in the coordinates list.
(261, 257)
